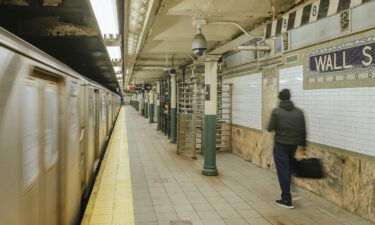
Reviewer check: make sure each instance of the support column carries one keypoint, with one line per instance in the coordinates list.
(173, 108)
(158, 104)
(151, 111)
(140, 103)
(210, 106)
(146, 104)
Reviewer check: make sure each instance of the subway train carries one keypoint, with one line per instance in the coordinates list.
(54, 126)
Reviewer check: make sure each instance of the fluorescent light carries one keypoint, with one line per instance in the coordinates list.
(114, 52)
(117, 69)
(138, 11)
(106, 15)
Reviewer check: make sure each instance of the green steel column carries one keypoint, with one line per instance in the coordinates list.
(173, 109)
(146, 104)
(151, 114)
(210, 107)
(158, 104)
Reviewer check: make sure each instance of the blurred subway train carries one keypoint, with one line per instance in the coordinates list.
(54, 125)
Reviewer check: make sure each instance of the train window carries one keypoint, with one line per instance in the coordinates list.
(51, 126)
(73, 108)
(103, 114)
(30, 134)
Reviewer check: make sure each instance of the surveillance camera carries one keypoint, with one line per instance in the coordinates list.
(199, 45)
(199, 51)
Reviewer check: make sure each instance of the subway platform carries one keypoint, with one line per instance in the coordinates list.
(143, 181)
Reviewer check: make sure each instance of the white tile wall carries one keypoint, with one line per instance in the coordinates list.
(342, 118)
(247, 100)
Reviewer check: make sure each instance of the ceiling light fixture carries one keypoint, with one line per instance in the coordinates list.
(138, 10)
(117, 69)
(105, 12)
(114, 52)
(106, 15)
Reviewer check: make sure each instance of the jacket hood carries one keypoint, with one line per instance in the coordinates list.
(287, 105)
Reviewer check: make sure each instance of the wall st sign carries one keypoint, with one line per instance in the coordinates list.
(349, 61)
(351, 58)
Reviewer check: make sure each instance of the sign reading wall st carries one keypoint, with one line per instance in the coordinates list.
(345, 62)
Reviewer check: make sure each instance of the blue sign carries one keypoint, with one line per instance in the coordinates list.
(362, 56)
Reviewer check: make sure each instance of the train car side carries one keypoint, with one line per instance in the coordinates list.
(53, 129)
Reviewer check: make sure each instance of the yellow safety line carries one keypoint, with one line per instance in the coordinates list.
(111, 201)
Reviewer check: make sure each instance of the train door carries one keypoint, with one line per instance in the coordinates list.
(109, 113)
(113, 105)
(103, 121)
(40, 140)
(72, 156)
(96, 124)
(82, 140)
(90, 156)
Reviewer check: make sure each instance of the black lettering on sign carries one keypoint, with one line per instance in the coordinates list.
(285, 23)
(313, 12)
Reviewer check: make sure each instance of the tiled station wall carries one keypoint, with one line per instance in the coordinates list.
(341, 117)
(340, 123)
(247, 100)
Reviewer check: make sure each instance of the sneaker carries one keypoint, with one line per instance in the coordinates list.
(284, 204)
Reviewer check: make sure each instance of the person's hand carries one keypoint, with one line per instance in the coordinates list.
(302, 150)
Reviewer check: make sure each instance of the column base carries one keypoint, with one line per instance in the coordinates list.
(210, 171)
(209, 168)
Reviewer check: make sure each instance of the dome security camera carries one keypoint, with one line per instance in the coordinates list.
(199, 45)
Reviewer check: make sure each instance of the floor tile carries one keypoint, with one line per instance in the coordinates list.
(206, 215)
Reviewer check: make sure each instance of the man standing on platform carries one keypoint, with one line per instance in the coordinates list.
(288, 122)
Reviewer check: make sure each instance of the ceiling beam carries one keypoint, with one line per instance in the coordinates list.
(202, 13)
(144, 59)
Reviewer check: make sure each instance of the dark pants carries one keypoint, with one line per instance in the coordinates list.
(284, 161)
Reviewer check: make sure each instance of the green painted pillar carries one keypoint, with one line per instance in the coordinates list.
(146, 104)
(173, 109)
(151, 114)
(210, 108)
(158, 116)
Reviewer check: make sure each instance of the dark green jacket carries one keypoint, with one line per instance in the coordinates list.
(289, 124)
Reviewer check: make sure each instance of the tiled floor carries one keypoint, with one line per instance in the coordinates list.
(168, 189)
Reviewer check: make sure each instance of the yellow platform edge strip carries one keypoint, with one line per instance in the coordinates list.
(111, 201)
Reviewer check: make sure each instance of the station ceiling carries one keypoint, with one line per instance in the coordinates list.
(168, 32)
(66, 30)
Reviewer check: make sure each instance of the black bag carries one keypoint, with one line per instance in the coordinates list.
(309, 168)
